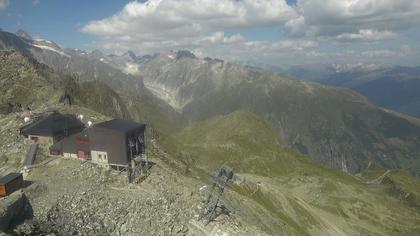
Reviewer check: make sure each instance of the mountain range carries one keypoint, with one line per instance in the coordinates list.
(391, 87)
(336, 126)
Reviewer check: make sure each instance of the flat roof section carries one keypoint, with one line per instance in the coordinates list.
(120, 125)
(9, 177)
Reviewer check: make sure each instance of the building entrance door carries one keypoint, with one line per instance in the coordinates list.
(81, 154)
(99, 157)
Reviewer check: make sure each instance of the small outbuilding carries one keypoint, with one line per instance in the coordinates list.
(52, 128)
(10, 183)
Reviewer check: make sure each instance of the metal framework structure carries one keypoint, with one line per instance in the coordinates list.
(139, 169)
(220, 181)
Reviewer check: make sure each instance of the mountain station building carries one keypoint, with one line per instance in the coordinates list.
(115, 142)
(111, 143)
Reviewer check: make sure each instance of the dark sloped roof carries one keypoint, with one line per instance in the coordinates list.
(120, 125)
(9, 177)
(52, 124)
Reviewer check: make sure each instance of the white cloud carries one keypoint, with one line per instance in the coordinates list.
(4, 4)
(198, 25)
(354, 19)
(402, 51)
(201, 26)
(180, 18)
(219, 37)
(297, 27)
(36, 2)
(379, 53)
(366, 35)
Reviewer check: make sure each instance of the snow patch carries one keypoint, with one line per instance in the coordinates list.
(131, 68)
(42, 40)
(51, 49)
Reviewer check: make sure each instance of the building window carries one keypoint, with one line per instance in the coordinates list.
(82, 140)
(34, 139)
(55, 152)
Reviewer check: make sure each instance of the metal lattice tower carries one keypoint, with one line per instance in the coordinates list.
(139, 166)
(220, 181)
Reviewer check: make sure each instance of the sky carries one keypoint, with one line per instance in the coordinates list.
(273, 32)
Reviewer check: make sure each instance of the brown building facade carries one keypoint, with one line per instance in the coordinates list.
(116, 141)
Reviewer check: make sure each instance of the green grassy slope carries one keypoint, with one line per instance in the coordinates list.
(286, 189)
(100, 98)
(22, 83)
(26, 83)
(397, 183)
(242, 139)
(335, 126)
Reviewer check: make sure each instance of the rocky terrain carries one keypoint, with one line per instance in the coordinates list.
(73, 198)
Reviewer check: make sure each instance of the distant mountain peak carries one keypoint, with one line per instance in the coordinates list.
(365, 67)
(213, 60)
(23, 34)
(185, 54)
(130, 54)
(97, 53)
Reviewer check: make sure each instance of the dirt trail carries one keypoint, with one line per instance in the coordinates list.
(328, 227)
(380, 178)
